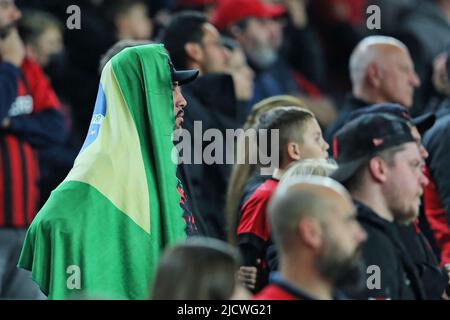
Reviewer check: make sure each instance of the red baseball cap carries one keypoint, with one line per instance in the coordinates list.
(232, 11)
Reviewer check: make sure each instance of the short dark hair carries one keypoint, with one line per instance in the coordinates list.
(290, 121)
(186, 26)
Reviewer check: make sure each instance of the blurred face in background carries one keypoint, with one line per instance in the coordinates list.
(47, 46)
(9, 13)
(135, 24)
(256, 40)
(242, 74)
(276, 33)
(213, 57)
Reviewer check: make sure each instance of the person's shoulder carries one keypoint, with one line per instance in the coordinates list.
(30, 65)
(268, 185)
(261, 195)
(264, 191)
(442, 125)
(33, 71)
(274, 292)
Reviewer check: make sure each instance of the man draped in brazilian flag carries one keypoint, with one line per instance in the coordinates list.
(101, 232)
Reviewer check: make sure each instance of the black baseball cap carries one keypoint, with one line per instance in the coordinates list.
(360, 139)
(422, 122)
(182, 76)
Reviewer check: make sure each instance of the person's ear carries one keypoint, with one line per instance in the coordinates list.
(193, 51)
(378, 169)
(293, 151)
(311, 233)
(373, 76)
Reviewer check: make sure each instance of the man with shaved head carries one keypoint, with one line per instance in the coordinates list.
(314, 225)
(381, 70)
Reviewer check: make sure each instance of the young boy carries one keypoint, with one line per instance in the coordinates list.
(300, 137)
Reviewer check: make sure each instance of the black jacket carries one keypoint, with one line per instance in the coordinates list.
(351, 104)
(384, 248)
(211, 100)
(433, 278)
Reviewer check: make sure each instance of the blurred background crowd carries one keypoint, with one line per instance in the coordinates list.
(250, 51)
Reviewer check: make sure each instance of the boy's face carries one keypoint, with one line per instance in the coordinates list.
(313, 145)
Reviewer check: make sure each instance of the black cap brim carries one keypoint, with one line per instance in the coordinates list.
(347, 170)
(424, 122)
(184, 76)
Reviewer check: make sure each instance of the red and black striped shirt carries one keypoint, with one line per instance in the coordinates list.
(19, 171)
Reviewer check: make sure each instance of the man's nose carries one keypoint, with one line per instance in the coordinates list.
(424, 180)
(182, 103)
(423, 152)
(415, 80)
(15, 13)
(361, 234)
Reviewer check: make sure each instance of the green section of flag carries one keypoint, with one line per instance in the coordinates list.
(102, 231)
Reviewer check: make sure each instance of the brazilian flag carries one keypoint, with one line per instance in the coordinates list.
(103, 229)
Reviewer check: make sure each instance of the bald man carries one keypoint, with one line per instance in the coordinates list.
(314, 225)
(381, 70)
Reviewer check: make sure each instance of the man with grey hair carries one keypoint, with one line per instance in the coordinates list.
(314, 225)
(381, 70)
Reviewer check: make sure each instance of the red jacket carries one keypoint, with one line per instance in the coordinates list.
(27, 99)
(435, 215)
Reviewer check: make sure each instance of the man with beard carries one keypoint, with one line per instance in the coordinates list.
(314, 225)
(256, 26)
(194, 43)
(381, 165)
(434, 278)
(121, 196)
(179, 78)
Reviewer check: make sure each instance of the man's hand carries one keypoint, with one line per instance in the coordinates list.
(247, 276)
(12, 49)
(297, 11)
